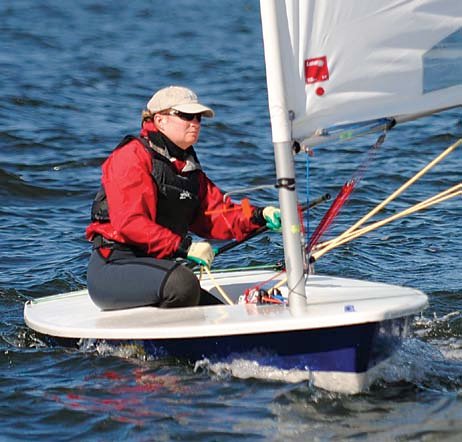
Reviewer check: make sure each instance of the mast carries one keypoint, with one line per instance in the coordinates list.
(285, 170)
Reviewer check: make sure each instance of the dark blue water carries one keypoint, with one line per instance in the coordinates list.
(74, 77)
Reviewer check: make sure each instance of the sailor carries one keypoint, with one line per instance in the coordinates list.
(153, 192)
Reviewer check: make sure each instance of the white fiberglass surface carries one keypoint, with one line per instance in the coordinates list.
(331, 302)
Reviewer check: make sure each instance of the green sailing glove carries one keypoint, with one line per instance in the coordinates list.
(201, 253)
(272, 216)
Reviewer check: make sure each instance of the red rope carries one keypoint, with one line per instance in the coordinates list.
(344, 194)
(333, 211)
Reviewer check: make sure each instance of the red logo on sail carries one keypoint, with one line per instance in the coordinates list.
(316, 70)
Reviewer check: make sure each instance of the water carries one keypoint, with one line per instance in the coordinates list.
(74, 78)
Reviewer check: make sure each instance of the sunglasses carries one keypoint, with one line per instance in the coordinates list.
(186, 117)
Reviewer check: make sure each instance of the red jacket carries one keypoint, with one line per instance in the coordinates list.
(132, 200)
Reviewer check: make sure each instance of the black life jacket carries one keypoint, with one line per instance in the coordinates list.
(177, 195)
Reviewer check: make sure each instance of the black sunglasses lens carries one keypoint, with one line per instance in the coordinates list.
(189, 117)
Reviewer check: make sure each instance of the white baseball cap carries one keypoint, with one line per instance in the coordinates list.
(180, 99)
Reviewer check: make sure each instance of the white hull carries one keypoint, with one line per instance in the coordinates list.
(357, 312)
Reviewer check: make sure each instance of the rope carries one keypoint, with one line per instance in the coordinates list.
(307, 216)
(344, 194)
(217, 286)
(259, 286)
(393, 195)
(342, 239)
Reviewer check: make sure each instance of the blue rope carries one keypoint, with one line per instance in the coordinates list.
(307, 216)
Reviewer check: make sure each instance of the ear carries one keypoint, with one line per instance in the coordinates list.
(159, 121)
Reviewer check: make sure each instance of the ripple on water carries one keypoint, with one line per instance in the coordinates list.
(76, 76)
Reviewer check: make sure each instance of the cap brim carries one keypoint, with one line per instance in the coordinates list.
(195, 108)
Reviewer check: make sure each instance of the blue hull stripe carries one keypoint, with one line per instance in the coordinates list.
(352, 349)
(349, 349)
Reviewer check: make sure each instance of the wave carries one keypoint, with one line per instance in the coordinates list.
(11, 185)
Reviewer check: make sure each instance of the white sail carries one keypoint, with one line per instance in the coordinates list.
(347, 61)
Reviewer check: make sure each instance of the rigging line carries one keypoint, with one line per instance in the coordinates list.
(441, 197)
(307, 216)
(331, 213)
(372, 151)
(217, 286)
(263, 283)
(247, 190)
(348, 132)
(264, 228)
(284, 281)
(344, 194)
(397, 192)
(274, 267)
(289, 290)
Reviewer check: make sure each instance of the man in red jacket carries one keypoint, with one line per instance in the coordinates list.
(153, 192)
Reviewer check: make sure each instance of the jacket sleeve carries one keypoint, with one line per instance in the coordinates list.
(132, 199)
(219, 219)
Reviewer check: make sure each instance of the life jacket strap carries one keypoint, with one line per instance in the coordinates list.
(99, 241)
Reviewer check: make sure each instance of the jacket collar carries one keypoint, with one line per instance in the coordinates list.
(167, 148)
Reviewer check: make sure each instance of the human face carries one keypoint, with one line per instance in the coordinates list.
(183, 129)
